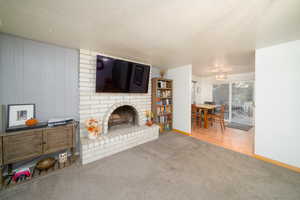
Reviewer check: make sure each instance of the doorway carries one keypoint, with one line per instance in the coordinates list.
(238, 98)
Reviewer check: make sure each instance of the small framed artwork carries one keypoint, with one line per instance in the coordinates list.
(18, 114)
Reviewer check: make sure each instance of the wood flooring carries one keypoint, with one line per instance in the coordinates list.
(234, 139)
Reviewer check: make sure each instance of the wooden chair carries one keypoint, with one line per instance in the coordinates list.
(196, 115)
(218, 117)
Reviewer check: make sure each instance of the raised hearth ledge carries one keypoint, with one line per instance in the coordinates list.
(116, 141)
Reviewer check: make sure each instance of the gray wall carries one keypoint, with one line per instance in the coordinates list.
(35, 72)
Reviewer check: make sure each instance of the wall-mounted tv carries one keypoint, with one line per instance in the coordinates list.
(114, 75)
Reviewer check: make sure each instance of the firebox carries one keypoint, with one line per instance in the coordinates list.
(122, 116)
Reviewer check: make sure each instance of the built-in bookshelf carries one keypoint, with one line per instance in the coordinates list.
(162, 103)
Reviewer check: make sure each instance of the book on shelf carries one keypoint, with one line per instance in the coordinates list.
(163, 119)
(164, 101)
(162, 84)
(167, 127)
(164, 93)
(164, 109)
(164, 122)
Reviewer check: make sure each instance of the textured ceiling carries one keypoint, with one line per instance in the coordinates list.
(165, 33)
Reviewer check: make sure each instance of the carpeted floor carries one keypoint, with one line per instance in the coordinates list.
(175, 167)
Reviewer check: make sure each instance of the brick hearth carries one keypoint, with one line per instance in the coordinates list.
(116, 141)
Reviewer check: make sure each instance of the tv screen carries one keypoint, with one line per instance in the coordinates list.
(139, 78)
(114, 75)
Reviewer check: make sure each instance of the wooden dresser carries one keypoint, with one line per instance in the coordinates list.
(29, 144)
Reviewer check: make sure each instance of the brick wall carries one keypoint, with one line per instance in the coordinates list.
(97, 105)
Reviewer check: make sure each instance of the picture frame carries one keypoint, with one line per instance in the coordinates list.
(18, 114)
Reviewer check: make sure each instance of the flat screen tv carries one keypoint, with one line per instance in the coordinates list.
(114, 75)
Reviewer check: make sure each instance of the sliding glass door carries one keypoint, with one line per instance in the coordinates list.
(242, 102)
(221, 96)
(238, 98)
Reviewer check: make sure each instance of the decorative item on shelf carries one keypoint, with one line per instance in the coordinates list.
(60, 121)
(162, 73)
(31, 122)
(45, 165)
(18, 114)
(62, 158)
(93, 127)
(19, 175)
(149, 116)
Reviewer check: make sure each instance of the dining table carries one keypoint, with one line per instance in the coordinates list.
(205, 108)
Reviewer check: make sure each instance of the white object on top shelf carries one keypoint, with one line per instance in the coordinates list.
(59, 121)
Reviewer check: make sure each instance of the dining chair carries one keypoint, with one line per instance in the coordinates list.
(196, 115)
(218, 117)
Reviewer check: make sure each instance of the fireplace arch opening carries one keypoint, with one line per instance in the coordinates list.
(123, 116)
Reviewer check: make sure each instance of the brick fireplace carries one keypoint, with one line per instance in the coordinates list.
(122, 115)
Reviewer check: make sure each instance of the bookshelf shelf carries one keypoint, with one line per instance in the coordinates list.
(162, 103)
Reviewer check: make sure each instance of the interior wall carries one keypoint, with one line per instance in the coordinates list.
(196, 91)
(35, 72)
(277, 103)
(182, 96)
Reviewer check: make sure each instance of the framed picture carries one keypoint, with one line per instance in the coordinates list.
(18, 114)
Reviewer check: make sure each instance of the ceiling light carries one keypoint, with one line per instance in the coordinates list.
(219, 69)
(221, 77)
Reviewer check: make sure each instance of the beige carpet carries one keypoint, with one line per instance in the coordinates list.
(173, 167)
